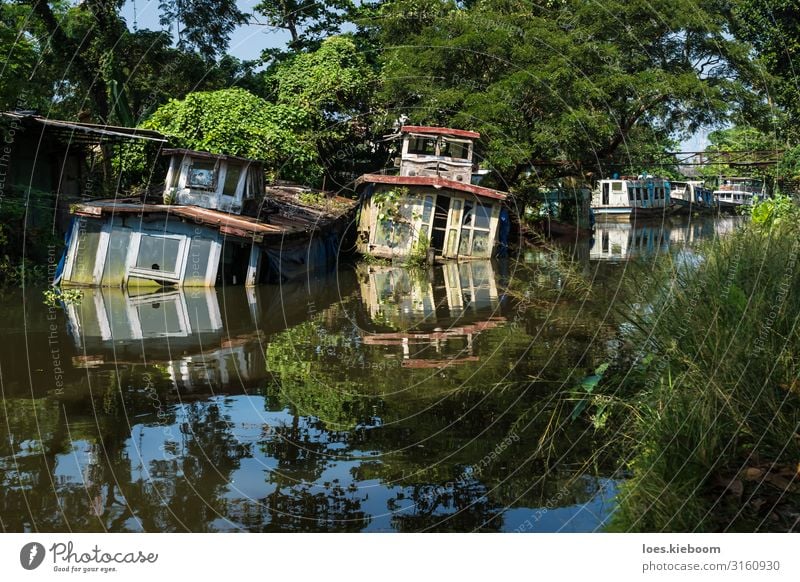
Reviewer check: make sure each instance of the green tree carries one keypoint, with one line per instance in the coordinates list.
(335, 86)
(236, 122)
(564, 81)
(772, 27)
(742, 138)
(204, 26)
(308, 23)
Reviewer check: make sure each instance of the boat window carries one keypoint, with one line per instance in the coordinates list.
(425, 146)
(616, 186)
(482, 216)
(203, 175)
(454, 149)
(630, 193)
(427, 209)
(159, 253)
(467, 216)
(232, 179)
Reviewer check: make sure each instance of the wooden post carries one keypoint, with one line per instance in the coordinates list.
(253, 266)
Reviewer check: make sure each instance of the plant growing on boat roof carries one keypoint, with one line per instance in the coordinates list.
(389, 203)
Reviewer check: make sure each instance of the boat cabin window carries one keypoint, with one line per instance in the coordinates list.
(159, 255)
(475, 230)
(202, 175)
(422, 146)
(616, 186)
(232, 179)
(630, 193)
(454, 149)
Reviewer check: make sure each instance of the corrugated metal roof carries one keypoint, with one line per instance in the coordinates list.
(78, 128)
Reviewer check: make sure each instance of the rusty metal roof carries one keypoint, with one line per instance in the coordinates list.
(286, 222)
(434, 181)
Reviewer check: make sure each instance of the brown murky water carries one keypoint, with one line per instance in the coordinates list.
(369, 399)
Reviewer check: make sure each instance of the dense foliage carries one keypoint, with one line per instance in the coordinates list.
(235, 122)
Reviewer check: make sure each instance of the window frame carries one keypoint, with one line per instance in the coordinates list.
(180, 263)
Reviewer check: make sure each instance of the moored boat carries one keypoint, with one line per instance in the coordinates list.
(736, 192)
(692, 196)
(631, 198)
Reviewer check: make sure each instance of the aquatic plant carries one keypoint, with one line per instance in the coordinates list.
(56, 297)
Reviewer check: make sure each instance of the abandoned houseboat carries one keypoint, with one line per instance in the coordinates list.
(430, 207)
(216, 223)
(692, 195)
(629, 198)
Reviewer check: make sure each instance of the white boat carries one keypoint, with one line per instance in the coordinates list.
(628, 198)
(736, 192)
(692, 195)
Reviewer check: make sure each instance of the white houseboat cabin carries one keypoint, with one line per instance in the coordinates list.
(692, 194)
(627, 197)
(431, 204)
(225, 183)
(734, 192)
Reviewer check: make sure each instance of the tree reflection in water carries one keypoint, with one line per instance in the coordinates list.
(380, 400)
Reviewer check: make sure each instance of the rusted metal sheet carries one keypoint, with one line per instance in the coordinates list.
(433, 182)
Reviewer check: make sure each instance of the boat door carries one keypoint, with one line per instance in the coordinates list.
(439, 225)
(453, 234)
(605, 193)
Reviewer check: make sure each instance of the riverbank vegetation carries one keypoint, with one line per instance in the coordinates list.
(557, 89)
(708, 387)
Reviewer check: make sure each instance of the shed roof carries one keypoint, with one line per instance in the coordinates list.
(79, 132)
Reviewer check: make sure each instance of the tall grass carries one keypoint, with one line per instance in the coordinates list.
(715, 383)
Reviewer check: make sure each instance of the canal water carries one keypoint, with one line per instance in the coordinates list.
(372, 398)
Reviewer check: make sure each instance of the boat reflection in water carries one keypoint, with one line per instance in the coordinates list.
(450, 304)
(180, 331)
(623, 241)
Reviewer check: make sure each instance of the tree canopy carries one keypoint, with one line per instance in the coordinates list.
(565, 80)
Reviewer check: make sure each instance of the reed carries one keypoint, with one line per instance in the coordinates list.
(715, 388)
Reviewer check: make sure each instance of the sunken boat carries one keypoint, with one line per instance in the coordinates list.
(429, 205)
(216, 223)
